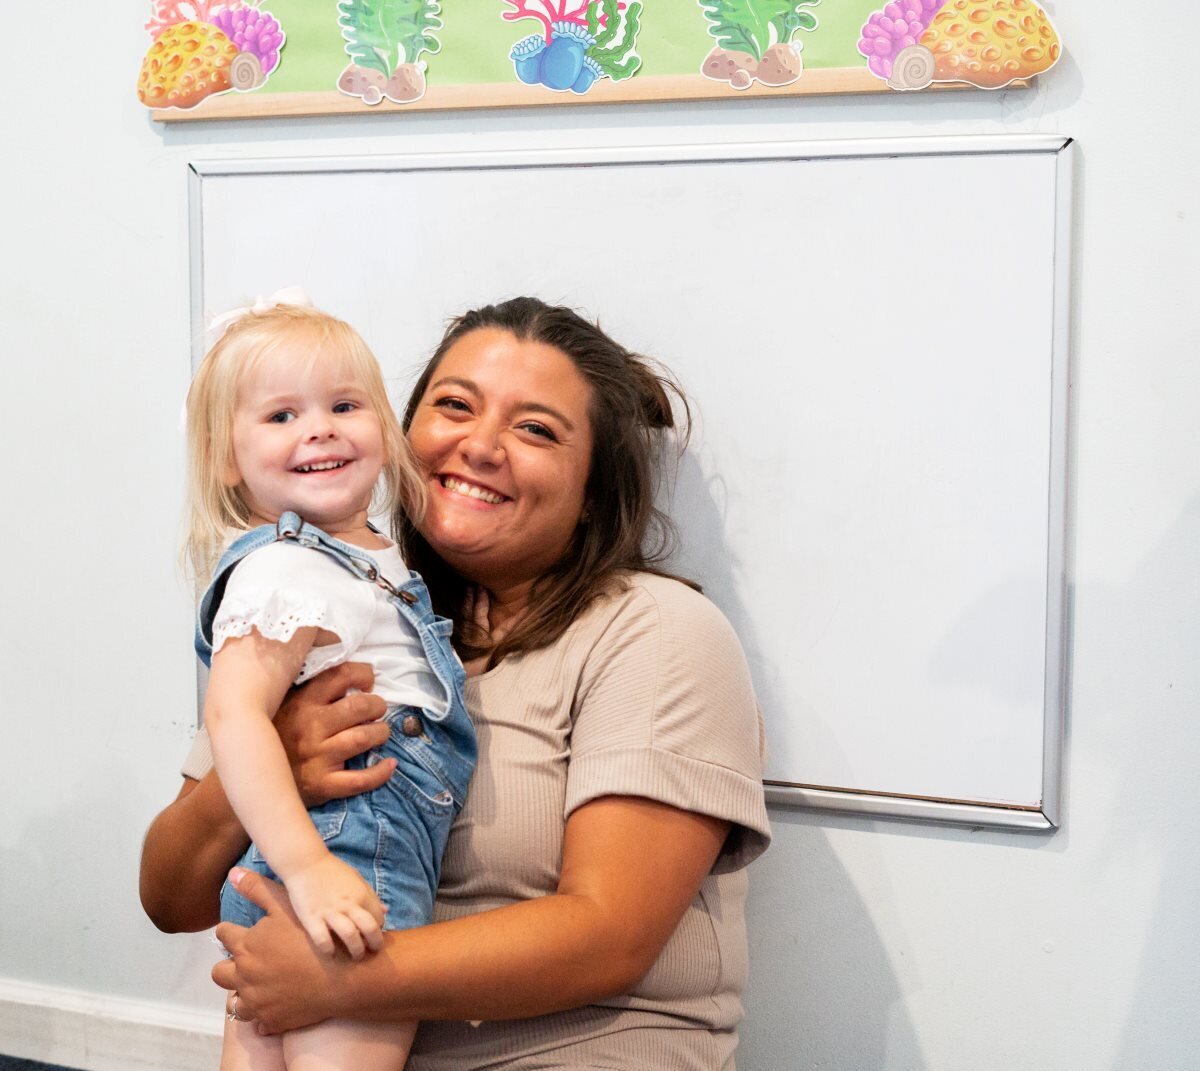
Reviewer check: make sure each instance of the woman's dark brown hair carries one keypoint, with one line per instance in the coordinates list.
(623, 529)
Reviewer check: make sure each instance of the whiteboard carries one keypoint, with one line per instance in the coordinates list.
(874, 337)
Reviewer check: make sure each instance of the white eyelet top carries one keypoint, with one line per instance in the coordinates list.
(283, 586)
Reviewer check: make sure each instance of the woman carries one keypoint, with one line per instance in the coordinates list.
(592, 897)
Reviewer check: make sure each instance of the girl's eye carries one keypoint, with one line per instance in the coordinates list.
(284, 416)
(345, 407)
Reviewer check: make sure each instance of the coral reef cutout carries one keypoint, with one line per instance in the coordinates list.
(578, 45)
(911, 44)
(205, 47)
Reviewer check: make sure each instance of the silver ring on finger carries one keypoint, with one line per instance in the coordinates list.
(232, 1016)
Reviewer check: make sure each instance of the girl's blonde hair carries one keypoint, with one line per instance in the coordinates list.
(213, 507)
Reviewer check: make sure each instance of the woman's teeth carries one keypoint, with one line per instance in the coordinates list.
(470, 490)
(323, 466)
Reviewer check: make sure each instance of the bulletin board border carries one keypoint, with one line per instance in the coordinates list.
(643, 89)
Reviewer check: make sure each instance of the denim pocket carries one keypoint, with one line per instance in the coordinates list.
(421, 786)
(328, 819)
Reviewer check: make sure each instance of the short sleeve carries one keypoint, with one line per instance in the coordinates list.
(666, 711)
(199, 757)
(282, 587)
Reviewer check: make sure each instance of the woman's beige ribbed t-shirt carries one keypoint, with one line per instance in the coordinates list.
(647, 694)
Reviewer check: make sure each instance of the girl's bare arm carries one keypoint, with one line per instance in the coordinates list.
(193, 842)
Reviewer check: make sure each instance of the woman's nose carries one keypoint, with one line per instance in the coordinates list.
(481, 446)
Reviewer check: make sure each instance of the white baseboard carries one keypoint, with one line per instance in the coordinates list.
(100, 1033)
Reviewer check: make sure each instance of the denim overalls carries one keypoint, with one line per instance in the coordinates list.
(394, 836)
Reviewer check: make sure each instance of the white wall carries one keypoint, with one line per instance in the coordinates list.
(874, 944)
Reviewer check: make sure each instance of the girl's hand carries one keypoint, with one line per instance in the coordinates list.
(281, 981)
(321, 727)
(331, 899)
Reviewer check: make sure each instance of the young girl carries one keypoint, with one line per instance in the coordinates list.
(290, 435)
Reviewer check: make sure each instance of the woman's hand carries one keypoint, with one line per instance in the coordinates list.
(321, 726)
(281, 981)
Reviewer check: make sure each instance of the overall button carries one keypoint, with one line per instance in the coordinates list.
(411, 726)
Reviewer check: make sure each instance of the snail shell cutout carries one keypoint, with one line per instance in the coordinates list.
(246, 72)
(913, 68)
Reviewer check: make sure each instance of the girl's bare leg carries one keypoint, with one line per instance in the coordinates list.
(246, 1050)
(341, 1043)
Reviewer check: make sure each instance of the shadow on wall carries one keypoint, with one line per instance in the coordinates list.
(78, 857)
(816, 956)
(1162, 831)
(823, 995)
(698, 502)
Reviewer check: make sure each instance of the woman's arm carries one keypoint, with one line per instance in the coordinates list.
(186, 856)
(193, 842)
(630, 868)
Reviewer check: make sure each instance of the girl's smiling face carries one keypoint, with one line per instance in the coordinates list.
(503, 432)
(305, 438)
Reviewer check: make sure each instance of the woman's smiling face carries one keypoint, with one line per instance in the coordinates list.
(504, 434)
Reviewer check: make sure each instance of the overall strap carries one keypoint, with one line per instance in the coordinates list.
(291, 528)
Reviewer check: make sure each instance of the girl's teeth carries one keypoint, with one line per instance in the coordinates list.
(324, 466)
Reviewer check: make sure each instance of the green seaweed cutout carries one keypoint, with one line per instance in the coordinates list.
(382, 34)
(612, 23)
(745, 25)
(615, 61)
(789, 24)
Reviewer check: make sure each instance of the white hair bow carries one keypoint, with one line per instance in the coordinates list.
(218, 325)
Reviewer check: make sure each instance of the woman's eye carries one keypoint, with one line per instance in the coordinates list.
(534, 428)
(284, 416)
(456, 405)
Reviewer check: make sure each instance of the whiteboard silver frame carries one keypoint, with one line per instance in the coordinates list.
(1044, 816)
